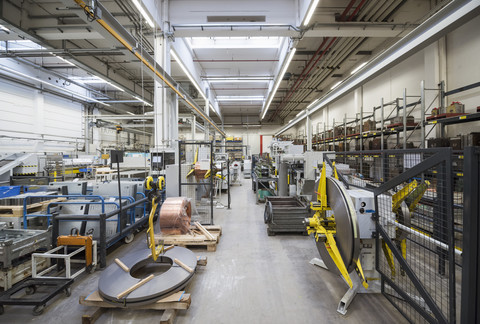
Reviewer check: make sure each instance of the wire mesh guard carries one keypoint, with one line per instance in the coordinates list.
(195, 179)
(419, 200)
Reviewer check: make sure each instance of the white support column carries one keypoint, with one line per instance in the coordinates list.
(39, 105)
(308, 127)
(165, 101)
(194, 126)
(161, 120)
(207, 112)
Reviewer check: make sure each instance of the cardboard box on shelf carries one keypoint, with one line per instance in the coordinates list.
(377, 144)
(399, 120)
(438, 142)
(472, 139)
(369, 125)
(456, 143)
(455, 107)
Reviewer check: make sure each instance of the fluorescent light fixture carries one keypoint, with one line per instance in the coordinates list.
(144, 13)
(185, 70)
(311, 10)
(23, 45)
(61, 59)
(238, 80)
(140, 99)
(4, 28)
(279, 79)
(336, 85)
(130, 113)
(52, 85)
(313, 102)
(290, 120)
(359, 67)
(100, 80)
(299, 113)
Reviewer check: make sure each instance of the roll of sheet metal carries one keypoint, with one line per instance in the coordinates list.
(348, 235)
(169, 277)
(175, 216)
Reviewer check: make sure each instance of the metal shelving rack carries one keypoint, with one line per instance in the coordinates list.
(401, 108)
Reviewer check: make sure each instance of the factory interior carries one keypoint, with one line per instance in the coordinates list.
(269, 161)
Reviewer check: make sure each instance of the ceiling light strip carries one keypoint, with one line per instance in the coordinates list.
(185, 70)
(311, 10)
(144, 13)
(279, 79)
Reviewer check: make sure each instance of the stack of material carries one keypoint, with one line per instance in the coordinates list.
(285, 214)
(175, 216)
(34, 198)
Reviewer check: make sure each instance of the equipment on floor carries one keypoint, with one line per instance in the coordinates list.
(132, 281)
(285, 214)
(175, 216)
(235, 170)
(66, 243)
(17, 243)
(337, 232)
(344, 230)
(49, 289)
(247, 168)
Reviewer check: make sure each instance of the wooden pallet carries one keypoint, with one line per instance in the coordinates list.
(170, 305)
(446, 115)
(196, 239)
(17, 211)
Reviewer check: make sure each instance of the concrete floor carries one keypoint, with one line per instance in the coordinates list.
(251, 278)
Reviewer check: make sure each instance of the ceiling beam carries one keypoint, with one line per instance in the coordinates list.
(323, 30)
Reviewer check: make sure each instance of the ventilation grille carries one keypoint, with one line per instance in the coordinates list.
(230, 19)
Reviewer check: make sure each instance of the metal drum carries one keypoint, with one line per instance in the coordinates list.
(348, 233)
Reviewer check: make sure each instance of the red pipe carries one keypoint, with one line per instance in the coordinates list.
(344, 14)
(360, 5)
(261, 144)
(302, 76)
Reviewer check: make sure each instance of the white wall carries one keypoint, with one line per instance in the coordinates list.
(250, 136)
(26, 114)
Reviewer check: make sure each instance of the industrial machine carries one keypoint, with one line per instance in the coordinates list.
(344, 229)
(159, 159)
(235, 171)
(247, 168)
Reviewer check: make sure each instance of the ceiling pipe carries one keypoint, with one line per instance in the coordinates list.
(145, 58)
(305, 73)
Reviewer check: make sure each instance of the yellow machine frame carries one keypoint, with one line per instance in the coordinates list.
(151, 185)
(324, 228)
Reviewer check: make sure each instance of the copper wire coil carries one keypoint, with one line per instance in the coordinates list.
(175, 216)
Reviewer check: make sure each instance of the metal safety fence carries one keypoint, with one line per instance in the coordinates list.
(419, 226)
(195, 178)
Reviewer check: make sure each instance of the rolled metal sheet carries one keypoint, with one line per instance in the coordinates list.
(404, 218)
(175, 215)
(347, 231)
(114, 280)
